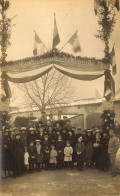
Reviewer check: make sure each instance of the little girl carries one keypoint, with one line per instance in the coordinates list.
(68, 151)
(39, 155)
(26, 160)
(53, 155)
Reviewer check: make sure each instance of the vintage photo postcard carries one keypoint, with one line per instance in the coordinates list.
(59, 97)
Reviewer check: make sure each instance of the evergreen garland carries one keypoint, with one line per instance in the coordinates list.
(106, 21)
(108, 120)
(4, 120)
(5, 30)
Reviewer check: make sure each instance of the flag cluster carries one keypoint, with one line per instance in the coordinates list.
(74, 41)
(56, 37)
(38, 44)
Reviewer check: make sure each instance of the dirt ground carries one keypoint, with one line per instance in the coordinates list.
(89, 182)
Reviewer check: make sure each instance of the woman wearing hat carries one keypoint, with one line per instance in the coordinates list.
(89, 148)
(18, 156)
(7, 153)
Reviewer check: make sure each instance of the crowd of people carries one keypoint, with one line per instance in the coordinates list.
(56, 144)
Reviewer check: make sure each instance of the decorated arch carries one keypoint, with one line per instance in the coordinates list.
(32, 68)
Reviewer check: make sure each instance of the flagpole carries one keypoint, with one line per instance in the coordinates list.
(67, 42)
(42, 43)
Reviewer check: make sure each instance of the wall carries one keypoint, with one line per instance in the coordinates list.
(85, 113)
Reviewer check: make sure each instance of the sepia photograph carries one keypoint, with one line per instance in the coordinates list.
(59, 97)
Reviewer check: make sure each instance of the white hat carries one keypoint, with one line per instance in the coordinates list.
(89, 130)
(23, 128)
(31, 129)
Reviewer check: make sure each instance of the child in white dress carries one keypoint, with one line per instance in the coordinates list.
(53, 155)
(26, 160)
(68, 151)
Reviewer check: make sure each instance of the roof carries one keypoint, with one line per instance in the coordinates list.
(75, 103)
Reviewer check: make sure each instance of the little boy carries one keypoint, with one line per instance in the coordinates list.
(32, 156)
(80, 147)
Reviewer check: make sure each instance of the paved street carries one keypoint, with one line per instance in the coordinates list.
(62, 182)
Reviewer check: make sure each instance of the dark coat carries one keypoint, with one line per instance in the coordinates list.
(7, 157)
(18, 156)
(60, 150)
(31, 138)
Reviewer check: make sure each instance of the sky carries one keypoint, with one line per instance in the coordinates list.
(71, 15)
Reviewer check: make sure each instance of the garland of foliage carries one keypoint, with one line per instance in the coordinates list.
(5, 30)
(106, 21)
(55, 52)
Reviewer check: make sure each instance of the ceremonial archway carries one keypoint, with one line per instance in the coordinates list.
(32, 68)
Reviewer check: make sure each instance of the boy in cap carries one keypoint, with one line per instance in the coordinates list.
(80, 147)
(32, 156)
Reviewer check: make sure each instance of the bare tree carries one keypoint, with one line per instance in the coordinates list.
(52, 89)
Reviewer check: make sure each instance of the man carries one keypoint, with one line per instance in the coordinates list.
(68, 125)
(113, 147)
(43, 118)
(52, 122)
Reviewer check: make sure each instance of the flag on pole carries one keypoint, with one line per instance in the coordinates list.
(97, 4)
(56, 38)
(74, 41)
(97, 94)
(115, 3)
(113, 61)
(37, 43)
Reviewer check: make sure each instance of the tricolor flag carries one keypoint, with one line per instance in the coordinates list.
(113, 61)
(115, 3)
(74, 41)
(109, 88)
(97, 4)
(56, 38)
(37, 43)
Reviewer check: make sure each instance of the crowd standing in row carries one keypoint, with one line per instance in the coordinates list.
(56, 144)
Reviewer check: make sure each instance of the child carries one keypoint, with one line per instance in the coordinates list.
(39, 155)
(80, 147)
(60, 149)
(53, 155)
(32, 156)
(68, 151)
(46, 152)
(26, 160)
